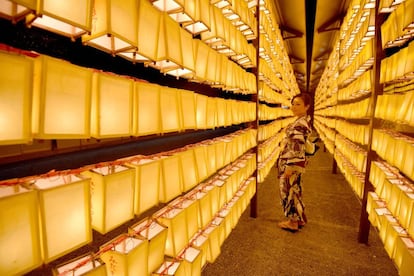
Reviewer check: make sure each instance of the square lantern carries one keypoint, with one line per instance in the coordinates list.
(188, 109)
(404, 253)
(20, 245)
(114, 26)
(171, 182)
(126, 255)
(200, 241)
(87, 265)
(189, 169)
(148, 106)
(405, 212)
(203, 199)
(65, 212)
(13, 11)
(112, 104)
(112, 196)
(186, 70)
(148, 26)
(61, 100)
(175, 220)
(201, 52)
(169, 51)
(170, 110)
(156, 234)
(191, 258)
(69, 18)
(16, 85)
(211, 120)
(198, 12)
(201, 111)
(191, 207)
(200, 152)
(171, 267)
(147, 182)
(393, 232)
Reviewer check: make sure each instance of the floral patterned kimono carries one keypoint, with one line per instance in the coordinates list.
(293, 156)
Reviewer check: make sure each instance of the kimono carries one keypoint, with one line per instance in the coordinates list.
(293, 156)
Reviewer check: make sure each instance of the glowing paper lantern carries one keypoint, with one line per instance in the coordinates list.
(61, 108)
(188, 109)
(171, 267)
(147, 181)
(84, 265)
(171, 184)
(20, 245)
(191, 258)
(204, 202)
(169, 53)
(16, 83)
(170, 110)
(112, 186)
(405, 213)
(114, 26)
(392, 233)
(176, 221)
(189, 169)
(148, 25)
(148, 106)
(201, 111)
(200, 152)
(156, 234)
(126, 255)
(200, 242)
(71, 19)
(13, 11)
(186, 70)
(191, 207)
(112, 99)
(404, 252)
(65, 214)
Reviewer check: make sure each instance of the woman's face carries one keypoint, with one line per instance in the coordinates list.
(298, 107)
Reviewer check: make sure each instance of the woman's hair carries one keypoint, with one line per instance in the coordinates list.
(306, 98)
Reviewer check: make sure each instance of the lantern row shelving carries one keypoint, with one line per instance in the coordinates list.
(375, 163)
(125, 183)
(208, 76)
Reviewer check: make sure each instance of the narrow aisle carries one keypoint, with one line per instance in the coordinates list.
(327, 245)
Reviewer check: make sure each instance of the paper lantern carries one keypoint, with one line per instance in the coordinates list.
(201, 111)
(148, 107)
(188, 168)
(112, 99)
(83, 265)
(201, 52)
(65, 214)
(175, 220)
(404, 249)
(171, 184)
(71, 19)
(20, 245)
(200, 241)
(211, 157)
(186, 70)
(16, 84)
(169, 53)
(188, 109)
(392, 233)
(216, 36)
(405, 212)
(112, 185)
(385, 221)
(13, 11)
(200, 152)
(191, 207)
(147, 181)
(198, 12)
(148, 25)
(204, 205)
(126, 255)
(171, 267)
(215, 233)
(62, 101)
(170, 110)
(191, 258)
(156, 234)
(114, 26)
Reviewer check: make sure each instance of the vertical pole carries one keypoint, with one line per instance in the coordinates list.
(255, 98)
(364, 223)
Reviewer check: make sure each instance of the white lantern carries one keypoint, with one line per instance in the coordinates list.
(65, 214)
(20, 245)
(112, 196)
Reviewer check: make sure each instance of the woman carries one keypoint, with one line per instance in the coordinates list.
(291, 164)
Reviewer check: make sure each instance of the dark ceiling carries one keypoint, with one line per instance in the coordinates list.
(309, 29)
